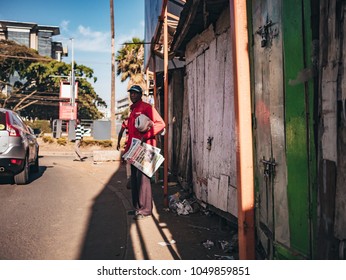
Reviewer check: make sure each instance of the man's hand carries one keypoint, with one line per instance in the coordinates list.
(143, 140)
(130, 160)
(118, 146)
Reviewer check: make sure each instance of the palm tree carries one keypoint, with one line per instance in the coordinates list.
(130, 60)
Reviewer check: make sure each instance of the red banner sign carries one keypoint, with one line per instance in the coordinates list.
(67, 111)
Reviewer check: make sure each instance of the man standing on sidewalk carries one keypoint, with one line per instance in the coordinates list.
(79, 129)
(140, 184)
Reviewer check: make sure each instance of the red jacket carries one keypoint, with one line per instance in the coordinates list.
(138, 108)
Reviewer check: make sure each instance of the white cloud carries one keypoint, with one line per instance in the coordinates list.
(64, 25)
(89, 40)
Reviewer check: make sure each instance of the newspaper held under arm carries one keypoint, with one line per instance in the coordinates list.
(145, 157)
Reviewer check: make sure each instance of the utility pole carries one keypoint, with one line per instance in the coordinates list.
(113, 132)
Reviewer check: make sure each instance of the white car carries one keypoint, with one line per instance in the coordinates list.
(18, 148)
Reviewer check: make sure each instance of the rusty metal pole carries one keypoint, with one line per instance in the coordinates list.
(165, 82)
(156, 105)
(244, 150)
(155, 83)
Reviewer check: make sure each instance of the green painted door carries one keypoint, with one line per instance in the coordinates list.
(282, 102)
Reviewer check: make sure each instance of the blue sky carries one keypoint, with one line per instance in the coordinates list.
(88, 23)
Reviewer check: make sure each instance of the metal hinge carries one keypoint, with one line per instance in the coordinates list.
(269, 167)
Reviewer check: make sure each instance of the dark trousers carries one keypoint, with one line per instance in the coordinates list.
(142, 199)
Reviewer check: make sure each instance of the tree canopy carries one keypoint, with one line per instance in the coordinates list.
(130, 60)
(37, 85)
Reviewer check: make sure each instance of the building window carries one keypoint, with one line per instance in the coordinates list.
(45, 43)
(20, 37)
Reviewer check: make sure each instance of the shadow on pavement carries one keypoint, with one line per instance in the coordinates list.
(32, 177)
(112, 234)
(105, 237)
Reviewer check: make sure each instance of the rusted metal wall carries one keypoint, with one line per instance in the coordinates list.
(210, 94)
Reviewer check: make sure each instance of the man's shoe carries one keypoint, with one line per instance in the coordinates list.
(83, 158)
(132, 212)
(141, 217)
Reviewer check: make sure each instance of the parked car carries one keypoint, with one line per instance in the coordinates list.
(18, 148)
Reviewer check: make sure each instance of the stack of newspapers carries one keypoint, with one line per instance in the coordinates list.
(144, 157)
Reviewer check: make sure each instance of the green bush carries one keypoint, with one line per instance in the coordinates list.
(101, 143)
(62, 141)
(42, 125)
(48, 139)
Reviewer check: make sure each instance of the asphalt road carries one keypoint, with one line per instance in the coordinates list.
(67, 211)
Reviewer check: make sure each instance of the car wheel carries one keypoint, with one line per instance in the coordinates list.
(36, 166)
(22, 178)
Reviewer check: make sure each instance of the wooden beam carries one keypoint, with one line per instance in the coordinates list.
(187, 24)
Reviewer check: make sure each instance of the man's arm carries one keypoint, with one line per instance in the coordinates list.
(120, 135)
(158, 123)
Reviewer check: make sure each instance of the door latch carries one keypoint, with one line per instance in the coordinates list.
(269, 167)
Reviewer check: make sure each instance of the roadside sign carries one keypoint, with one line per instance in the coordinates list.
(65, 90)
(67, 111)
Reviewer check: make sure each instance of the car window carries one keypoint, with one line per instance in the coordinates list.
(19, 122)
(31, 130)
(3, 121)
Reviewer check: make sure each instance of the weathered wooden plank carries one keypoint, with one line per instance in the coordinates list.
(329, 77)
(200, 124)
(340, 200)
(192, 112)
(208, 87)
(343, 59)
(261, 110)
(232, 206)
(228, 120)
(199, 44)
(222, 197)
(213, 190)
(183, 162)
(326, 240)
(294, 17)
(197, 188)
(208, 118)
(220, 145)
(177, 116)
(277, 128)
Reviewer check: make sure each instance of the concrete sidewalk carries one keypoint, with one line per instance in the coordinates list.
(168, 236)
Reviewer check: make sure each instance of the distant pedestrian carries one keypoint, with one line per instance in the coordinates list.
(121, 132)
(79, 130)
(124, 128)
(140, 183)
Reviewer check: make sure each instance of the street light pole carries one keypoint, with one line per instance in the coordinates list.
(72, 78)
